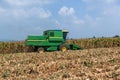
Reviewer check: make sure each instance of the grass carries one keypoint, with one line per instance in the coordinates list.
(89, 64)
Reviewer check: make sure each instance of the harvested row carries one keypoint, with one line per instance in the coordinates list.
(89, 64)
(20, 47)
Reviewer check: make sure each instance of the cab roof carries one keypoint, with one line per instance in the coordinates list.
(57, 30)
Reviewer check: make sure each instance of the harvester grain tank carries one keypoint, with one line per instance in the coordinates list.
(51, 40)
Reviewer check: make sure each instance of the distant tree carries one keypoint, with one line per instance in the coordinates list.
(94, 37)
(115, 36)
(103, 37)
(71, 38)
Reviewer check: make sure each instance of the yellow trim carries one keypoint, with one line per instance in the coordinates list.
(65, 31)
(55, 37)
(36, 40)
(64, 49)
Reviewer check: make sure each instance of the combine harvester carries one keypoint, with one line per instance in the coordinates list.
(52, 40)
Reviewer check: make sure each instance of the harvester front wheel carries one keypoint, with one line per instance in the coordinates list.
(63, 48)
(41, 50)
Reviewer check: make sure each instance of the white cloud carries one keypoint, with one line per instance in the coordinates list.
(40, 12)
(65, 11)
(2, 10)
(92, 22)
(79, 22)
(27, 8)
(44, 14)
(28, 2)
(113, 11)
(103, 7)
(22, 13)
(87, 1)
(69, 18)
(103, 1)
(19, 13)
(111, 1)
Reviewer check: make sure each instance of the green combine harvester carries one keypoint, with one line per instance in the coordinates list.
(51, 40)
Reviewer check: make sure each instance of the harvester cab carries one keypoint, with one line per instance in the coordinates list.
(56, 34)
(65, 34)
(50, 41)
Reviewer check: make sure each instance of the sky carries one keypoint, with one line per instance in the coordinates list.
(83, 18)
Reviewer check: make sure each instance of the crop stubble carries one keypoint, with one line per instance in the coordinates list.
(90, 64)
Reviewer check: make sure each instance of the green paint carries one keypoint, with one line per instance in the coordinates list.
(50, 40)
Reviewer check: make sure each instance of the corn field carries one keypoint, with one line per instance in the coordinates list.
(14, 47)
(20, 47)
(97, 42)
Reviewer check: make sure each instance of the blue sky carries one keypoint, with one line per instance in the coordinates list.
(83, 18)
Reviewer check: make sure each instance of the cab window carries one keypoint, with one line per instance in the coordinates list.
(52, 34)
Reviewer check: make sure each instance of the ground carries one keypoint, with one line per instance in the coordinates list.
(88, 64)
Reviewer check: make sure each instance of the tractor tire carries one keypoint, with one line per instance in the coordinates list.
(41, 50)
(63, 47)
